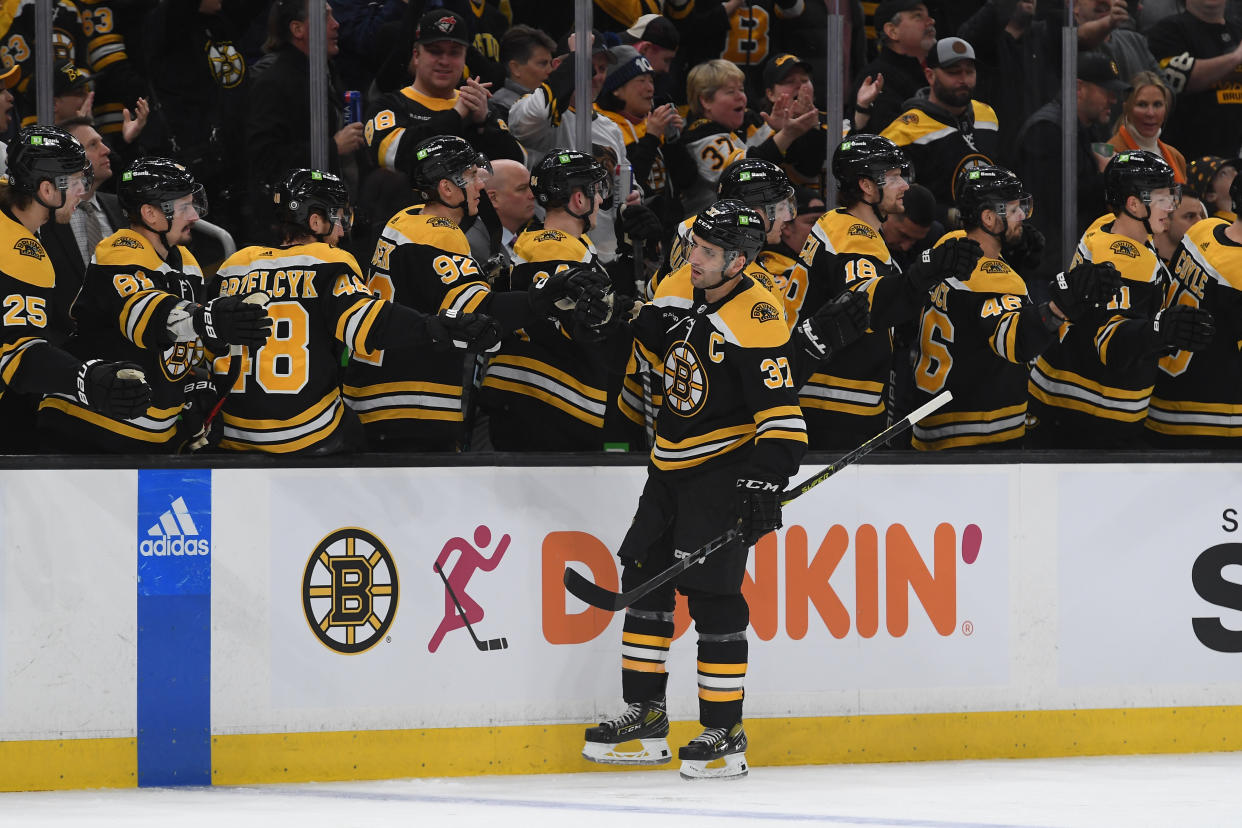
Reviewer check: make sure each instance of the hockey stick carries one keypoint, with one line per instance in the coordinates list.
(597, 596)
(492, 643)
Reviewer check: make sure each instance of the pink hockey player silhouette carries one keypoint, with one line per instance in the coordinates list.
(470, 560)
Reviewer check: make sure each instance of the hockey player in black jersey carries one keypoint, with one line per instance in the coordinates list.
(142, 300)
(286, 398)
(844, 402)
(978, 334)
(728, 437)
(1091, 389)
(48, 174)
(413, 399)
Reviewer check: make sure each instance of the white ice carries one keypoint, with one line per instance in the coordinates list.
(1186, 791)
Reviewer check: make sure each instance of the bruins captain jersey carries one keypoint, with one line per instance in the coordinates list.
(405, 118)
(122, 313)
(844, 399)
(1199, 395)
(27, 279)
(542, 384)
(1107, 372)
(713, 147)
(421, 261)
(727, 378)
(287, 398)
(975, 339)
(770, 268)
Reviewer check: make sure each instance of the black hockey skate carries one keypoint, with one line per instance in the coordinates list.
(644, 722)
(716, 753)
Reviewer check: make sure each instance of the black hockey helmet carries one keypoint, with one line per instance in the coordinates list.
(562, 172)
(444, 157)
(1136, 173)
(159, 182)
(732, 225)
(866, 156)
(46, 153)
(989, 188)
(301, 193)
(757, 183)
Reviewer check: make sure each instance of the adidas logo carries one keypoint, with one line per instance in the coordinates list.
(174, 534)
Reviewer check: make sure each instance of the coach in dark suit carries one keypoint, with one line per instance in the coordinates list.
(71, 246)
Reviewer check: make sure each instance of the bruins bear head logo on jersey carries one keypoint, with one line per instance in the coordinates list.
(440, 221)
(550, 235)
(1124, 248)
(31, 248)
(127, 241)
(685, 381)
(993, 266)
(764, 312)
(861, 230)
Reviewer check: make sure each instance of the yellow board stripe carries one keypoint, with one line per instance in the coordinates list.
(1018, 734)
(66, 764)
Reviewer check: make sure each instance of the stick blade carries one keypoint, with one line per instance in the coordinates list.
(590, 592)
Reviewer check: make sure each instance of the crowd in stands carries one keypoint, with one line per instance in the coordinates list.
(455, 213)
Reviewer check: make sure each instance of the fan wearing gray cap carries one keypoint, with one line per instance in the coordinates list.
(546, 119)
(655, 37)
(906, 33)
(438, 102)
(943, 130)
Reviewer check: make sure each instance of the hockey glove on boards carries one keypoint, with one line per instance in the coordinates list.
(1183, 328)
(1085, 290)
(955, 259)
(232, 320)
(834, 326)
(758, 507)
(474, 332)
(1027, 252)
(117, 390)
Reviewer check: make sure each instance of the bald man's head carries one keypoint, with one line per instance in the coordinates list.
(510, 193)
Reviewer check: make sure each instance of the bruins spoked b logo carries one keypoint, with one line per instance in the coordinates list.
(685, 382)
(349, 590)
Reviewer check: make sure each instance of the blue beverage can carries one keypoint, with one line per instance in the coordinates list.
(353, 106)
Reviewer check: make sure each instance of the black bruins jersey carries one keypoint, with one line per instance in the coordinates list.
(405, 118)
(727, 378)
(1199, 395)
(17, 45)
(116, 64)
(843, 400)
(646, 156)
(975, 340)
(27, 279)
(421, 261)
(543, 384)
(287, 397)
(1107, 373)
(122, 313)
(941, 146)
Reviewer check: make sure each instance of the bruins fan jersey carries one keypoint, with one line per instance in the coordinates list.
(728, 384)
(407, 117)
(975, 339)
(712, 147)
(1107, 373)
(645, 152)
(116, 65)
(287, 398)
(544, 390)
(941, 145)
(17, 33)
(27, 279)
(844, 400)
(122, 313)
(421, 261)
(1199, 396)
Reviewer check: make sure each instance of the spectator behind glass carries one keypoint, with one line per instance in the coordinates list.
(1200, 52)
(278, 134)
(1188, 212)
(1210, 177)
(201, 81)
(8, 80)
(1106, 26)
(656, 38)
(526, 55)
(1142, 118)
(944, 130)
(1039, 143)
(788, 91)
(360, 24)
(1018, 59)
(906, 34)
